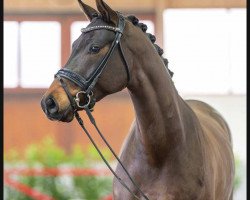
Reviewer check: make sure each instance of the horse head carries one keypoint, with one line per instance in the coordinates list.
(96, 59)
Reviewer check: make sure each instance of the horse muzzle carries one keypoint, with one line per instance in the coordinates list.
(51, 108)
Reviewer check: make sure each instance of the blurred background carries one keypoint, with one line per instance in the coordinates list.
(204, 41)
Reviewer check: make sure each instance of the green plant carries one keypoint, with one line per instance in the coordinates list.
(77, 156)
(239, 172)
(48, 154)
(11, 194)
(12, 156)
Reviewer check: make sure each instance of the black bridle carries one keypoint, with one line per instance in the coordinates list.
(87, 86)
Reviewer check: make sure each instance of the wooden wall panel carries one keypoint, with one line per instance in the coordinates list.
(24, 122)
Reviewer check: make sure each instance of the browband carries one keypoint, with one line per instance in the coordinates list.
(111, 28)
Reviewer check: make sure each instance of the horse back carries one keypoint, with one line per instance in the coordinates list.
(218, 158)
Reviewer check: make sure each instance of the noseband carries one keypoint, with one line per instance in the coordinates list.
(87, 86)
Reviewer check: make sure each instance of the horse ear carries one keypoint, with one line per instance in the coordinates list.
(108, 14)
(88, 11)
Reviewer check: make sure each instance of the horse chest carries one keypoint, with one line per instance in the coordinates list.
(153, 182)
(148, 179)
(162, 183)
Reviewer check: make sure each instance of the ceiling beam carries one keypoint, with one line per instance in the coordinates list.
(71, 6)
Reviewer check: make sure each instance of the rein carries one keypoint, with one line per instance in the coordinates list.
(87, 85)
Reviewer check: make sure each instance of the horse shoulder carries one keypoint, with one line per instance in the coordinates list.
(217, 149)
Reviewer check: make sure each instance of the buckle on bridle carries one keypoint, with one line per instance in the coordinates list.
(87, 95)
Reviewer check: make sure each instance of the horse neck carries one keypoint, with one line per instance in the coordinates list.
(157, 105)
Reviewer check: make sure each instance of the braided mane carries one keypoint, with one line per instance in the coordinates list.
(144, 28)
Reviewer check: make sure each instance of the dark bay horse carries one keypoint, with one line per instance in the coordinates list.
(176, 149)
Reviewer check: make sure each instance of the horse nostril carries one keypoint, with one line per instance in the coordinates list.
(51, 106)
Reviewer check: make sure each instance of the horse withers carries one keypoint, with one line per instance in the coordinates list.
(176, 149)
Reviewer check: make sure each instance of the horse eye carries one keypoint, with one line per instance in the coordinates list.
(94, 49)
